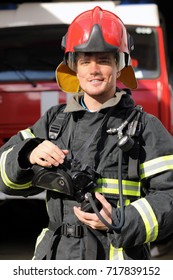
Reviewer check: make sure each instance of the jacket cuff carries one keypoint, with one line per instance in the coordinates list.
(23, 158)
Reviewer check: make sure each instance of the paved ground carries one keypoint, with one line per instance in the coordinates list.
(21, 222)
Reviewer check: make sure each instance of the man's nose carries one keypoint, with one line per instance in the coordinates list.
(94, 67)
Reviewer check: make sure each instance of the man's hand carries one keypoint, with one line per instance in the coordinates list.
(47, 154)
(91, 219)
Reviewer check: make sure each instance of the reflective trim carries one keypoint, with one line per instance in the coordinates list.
(5, 178)
(26, 133)
(110, 186)
(126, 202)
(156, 166)
(148, 217)
(39, 239)
(116, 253)
(41, 236)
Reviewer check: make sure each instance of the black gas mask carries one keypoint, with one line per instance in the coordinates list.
(70, 178)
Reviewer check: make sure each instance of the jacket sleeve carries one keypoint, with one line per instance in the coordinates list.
(15, 171)
(150, 218)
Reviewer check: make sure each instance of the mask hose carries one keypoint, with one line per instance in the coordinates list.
(88, 196)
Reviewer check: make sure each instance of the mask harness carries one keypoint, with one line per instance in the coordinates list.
(64, 180)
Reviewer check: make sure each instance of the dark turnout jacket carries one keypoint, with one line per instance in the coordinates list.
(146, 177)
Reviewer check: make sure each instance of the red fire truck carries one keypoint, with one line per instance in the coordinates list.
(30, 51)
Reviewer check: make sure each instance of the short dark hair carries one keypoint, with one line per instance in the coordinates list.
(116, 56)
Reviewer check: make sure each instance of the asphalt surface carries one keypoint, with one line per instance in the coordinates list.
(22, 221)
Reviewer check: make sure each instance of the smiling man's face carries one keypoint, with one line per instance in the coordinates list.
(97, 73)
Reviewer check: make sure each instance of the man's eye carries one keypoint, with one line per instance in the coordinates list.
(104, 61)
(82, 62)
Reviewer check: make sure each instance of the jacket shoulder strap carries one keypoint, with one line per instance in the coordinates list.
(58, 122)
(133, 166)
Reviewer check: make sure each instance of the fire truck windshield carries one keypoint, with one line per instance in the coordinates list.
(145, 53)
(32, 53)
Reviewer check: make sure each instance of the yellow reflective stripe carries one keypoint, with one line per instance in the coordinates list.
(4, 176)
(116, 253)
(41, 236)
(148, 217)
(126, 202)
(26, 133)
(107, 185)
(155, 166)
(39, 239)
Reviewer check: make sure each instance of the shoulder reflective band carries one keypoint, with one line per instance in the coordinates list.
(148, 217)
(156, 166)
(4, 176)
(116, 253)
(110, 186)
(27, 134)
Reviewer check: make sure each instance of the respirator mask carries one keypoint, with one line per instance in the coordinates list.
(70, 178)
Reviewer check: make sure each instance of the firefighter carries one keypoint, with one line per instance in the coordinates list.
(106, 165)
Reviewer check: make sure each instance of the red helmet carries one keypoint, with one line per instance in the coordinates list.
(96, 30)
